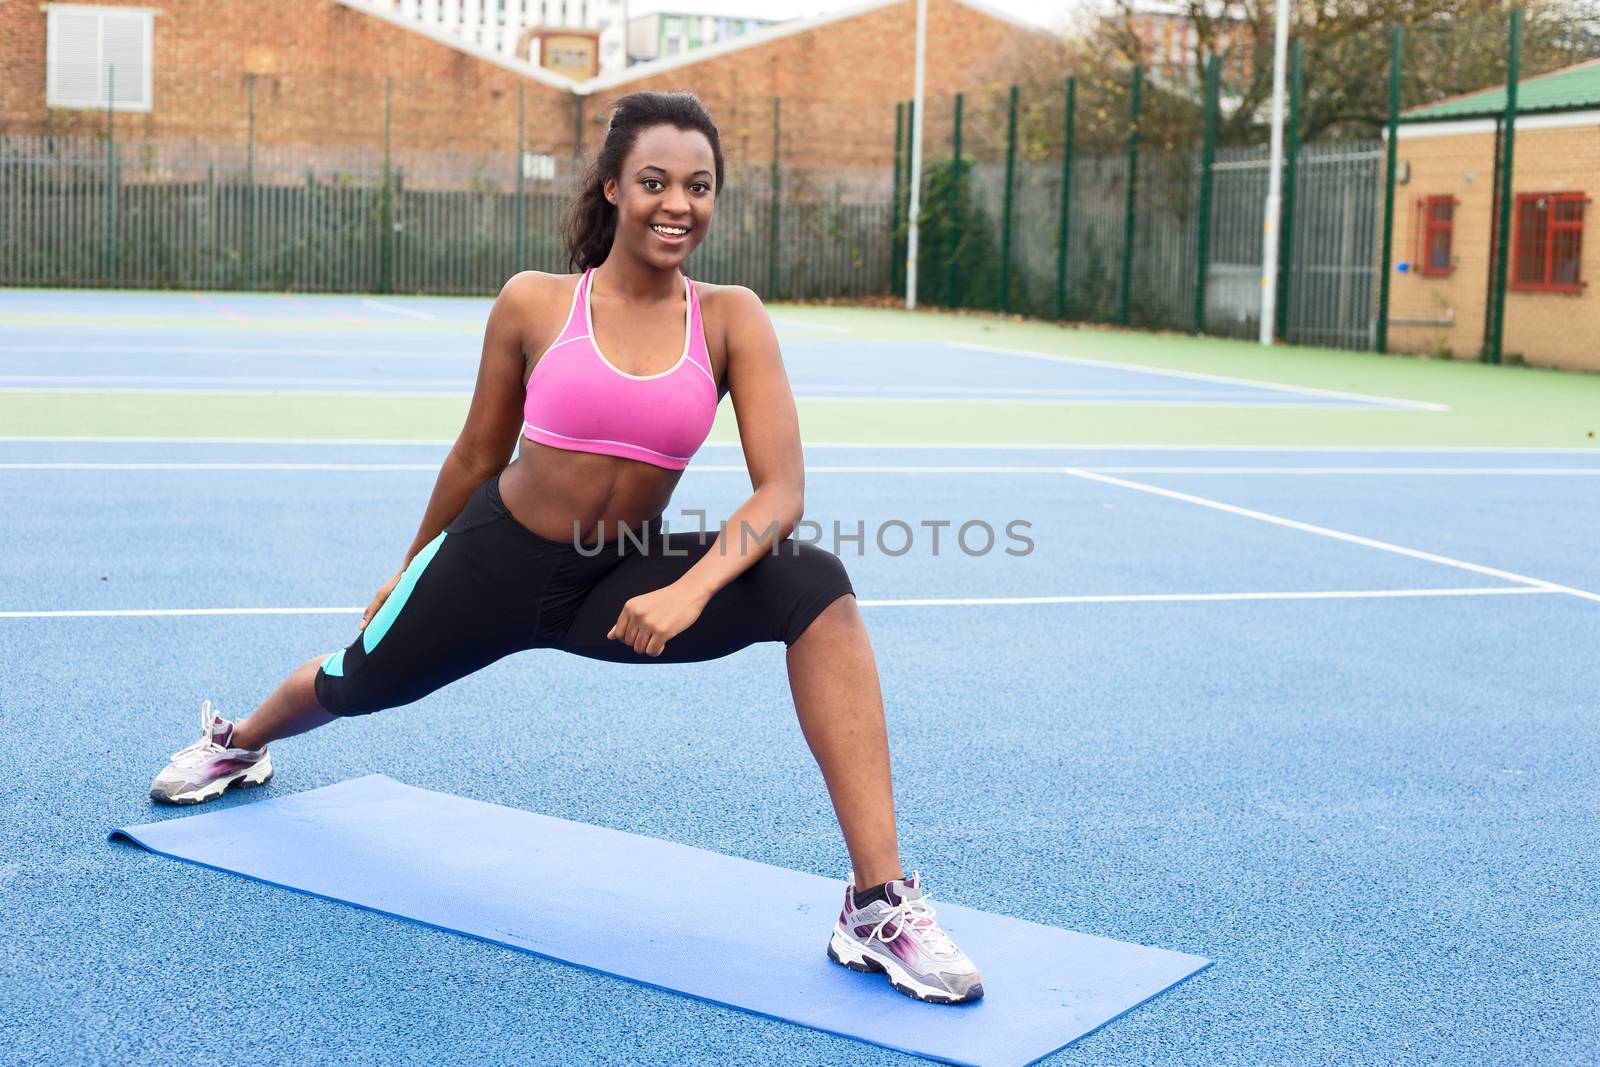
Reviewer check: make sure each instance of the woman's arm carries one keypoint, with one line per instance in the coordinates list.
(769, 432)
(486, 441)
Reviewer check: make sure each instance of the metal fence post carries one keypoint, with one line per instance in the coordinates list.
(1005, 228)
(250, 183)
(111, 177)
(1208, 159)
(894, 206)
(1133, 182)
(772, 254)
(1503, 231)
(1291, 171)
(905, 252)
(954, 231)
(1396, 56)
(519, 212)
(1064, 232)
(386, 198)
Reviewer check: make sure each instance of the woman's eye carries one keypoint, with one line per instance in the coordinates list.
(650, 182)
(702, 186)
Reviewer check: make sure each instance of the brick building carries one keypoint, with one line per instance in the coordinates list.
(318, 72)
(1444, 223)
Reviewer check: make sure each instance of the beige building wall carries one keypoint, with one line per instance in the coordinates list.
(1543, 328)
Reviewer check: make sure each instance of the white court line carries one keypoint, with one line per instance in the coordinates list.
(1167, 598)
(811, 468)
(1140, 368)
(235, 350)
(1425, 471)
(379, 305)
(794, 324)
(197, 380)
(223, 467)
(1338, 535)
(998, 601)
(375, 442)
(1131, 400)
(398, 442)
(208, 391)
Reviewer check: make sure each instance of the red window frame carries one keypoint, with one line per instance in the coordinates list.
(1534, 260)
(1434, 226)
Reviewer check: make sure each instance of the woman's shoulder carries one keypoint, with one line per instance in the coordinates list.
(534, 282)
(730, 303)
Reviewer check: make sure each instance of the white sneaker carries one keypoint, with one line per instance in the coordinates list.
(900, 938)
(205, 769)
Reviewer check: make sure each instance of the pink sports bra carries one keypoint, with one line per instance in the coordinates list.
(579, 401)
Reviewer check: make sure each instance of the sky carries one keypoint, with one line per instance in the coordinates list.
(1049, 13)
(1041, 12)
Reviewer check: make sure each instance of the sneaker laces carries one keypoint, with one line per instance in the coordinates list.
(206, 746)
(917, 915)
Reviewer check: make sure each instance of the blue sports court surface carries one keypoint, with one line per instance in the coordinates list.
(1323, 716)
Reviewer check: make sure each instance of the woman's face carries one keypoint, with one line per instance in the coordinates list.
(667, 181)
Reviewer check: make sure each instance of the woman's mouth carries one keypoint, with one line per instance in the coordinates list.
(672, 235)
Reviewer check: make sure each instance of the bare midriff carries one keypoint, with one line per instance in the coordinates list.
(566, 496)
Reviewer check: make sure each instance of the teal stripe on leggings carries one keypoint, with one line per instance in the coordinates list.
(333, 666)
(391, 608)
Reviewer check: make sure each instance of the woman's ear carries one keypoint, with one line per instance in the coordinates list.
(610, 189)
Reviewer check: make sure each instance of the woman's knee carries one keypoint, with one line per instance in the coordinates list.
(811, 579)
(345, 695)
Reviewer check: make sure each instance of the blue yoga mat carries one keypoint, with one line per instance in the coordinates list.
(526, 880)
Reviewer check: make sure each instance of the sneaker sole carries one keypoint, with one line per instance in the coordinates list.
(248, 778)
(857, 957)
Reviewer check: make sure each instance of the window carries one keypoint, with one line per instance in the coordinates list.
(538, 165)
(96, 53)
(1549, 242)
(1438, 231)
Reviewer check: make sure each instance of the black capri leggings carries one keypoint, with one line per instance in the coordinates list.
(488, 586)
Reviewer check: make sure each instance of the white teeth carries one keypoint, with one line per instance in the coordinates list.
(673, 230)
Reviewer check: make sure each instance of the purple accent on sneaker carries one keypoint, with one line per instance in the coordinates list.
(228, 766)
(902, 947)
(893, 893)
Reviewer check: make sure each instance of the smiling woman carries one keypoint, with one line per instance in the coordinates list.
(514, 555)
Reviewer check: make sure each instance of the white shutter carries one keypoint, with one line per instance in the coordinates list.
(123, 48)
(75, 58)
(86, 41)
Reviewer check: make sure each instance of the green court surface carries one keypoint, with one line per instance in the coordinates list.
(1485, 406)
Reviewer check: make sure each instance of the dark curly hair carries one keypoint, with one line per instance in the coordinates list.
(592, 219)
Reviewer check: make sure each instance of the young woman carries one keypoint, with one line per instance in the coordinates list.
(611, 379)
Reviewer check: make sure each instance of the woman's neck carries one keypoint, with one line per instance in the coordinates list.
(638, 283)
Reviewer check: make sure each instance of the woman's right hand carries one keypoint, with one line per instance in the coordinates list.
(382, 595)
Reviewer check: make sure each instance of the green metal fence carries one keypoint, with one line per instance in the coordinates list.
(112, 211)
(1102, 197)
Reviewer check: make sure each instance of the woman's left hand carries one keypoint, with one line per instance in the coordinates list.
(650, 620)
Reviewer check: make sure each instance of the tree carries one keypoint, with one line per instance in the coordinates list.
(1452, 47)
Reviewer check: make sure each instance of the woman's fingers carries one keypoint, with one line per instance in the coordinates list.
(632, 630)
(379, 598)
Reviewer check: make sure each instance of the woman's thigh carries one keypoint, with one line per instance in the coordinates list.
(774, 600)
(465, 601)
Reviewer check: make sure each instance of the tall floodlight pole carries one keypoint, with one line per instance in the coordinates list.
(1269, 227)
(916, 154)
